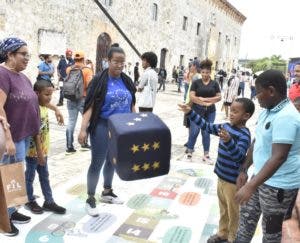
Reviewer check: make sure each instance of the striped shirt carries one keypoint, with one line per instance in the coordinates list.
(230, 154)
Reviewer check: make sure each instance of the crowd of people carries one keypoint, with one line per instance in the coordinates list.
(273, 151)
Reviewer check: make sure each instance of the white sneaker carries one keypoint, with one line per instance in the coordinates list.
(90, 207)
(110, 197)
(206, 159)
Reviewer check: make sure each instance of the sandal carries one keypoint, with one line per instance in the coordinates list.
(216, 239)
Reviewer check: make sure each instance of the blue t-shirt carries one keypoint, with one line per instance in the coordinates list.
(45, 67)
(118, 99)
(279, 125)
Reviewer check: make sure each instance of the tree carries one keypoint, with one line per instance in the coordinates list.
(273, 62)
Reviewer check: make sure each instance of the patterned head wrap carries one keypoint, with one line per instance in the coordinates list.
(9, 45)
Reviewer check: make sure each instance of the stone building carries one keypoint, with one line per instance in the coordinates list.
(175, 30)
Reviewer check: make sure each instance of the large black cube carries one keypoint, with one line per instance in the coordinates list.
(139, 145)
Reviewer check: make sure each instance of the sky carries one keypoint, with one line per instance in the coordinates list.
(270, 28)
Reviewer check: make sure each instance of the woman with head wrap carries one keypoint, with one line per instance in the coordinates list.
(19, 105)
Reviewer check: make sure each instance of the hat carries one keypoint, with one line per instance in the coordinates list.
(78, 55)
(69, 51)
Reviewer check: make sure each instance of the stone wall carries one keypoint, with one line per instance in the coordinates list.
(54, 25)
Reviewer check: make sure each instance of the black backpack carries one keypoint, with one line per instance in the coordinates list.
(73, 85)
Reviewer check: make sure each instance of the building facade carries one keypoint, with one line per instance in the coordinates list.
(175, 30)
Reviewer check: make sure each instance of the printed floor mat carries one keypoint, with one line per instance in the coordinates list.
(181, 207)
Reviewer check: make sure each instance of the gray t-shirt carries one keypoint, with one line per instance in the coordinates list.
(22, 106)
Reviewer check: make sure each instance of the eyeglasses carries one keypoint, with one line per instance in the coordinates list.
(24, 54)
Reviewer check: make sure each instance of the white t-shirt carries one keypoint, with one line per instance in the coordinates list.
(151, 77)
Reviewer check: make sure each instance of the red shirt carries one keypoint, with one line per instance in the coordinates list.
(294, 91)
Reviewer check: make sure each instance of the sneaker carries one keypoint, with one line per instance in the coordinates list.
(53, 207)
(13, 232)
(189, 153)
(34, 207)
(85, 147)
(206, 159)
(110, 197)
(59, 104)
(90, 206)
(70, 151)
(18, 218)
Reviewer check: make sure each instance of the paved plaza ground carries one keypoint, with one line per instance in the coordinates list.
(180, 207)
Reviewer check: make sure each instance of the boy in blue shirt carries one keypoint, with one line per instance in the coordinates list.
(234, 142)
(276, 159)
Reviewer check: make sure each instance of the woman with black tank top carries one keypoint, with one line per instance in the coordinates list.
(204, 94)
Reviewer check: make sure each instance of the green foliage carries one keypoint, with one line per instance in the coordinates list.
(273, 62)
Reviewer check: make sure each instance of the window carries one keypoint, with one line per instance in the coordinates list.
(220, 37)
(181, 60)
(184, 26)
(108, 2)
(154, 11)
(227, 40)
(48, 40)
(198, 28)
(235, 41)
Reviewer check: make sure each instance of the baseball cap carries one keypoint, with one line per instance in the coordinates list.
(78, 55)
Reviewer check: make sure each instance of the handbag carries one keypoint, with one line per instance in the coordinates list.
(12, 180)
(146, 97)
(12, 191)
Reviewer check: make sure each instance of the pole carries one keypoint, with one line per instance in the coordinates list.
(117, 27)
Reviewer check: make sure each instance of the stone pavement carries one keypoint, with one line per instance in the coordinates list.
(62, 168)
(65, 169)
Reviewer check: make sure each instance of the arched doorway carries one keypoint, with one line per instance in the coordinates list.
(163, 54)
(103, 45)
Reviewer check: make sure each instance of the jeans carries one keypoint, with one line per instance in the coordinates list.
(61, 95)
(194, 132)
(253, 92)
(241, 89)
(74, 107)
(186, 89)
(99, 150)
(179, 84)
(21, 149)
(32, 166)
(162, 84)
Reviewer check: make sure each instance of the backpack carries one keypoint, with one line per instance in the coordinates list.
(73, 85)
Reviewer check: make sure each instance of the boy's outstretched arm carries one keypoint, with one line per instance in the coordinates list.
(236, 149)
(202, 123)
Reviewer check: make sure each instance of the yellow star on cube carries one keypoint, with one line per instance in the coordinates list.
(155, 145)
(146, 147)
(134, 148)
(155, 165)
(146, 166)
(135, 168)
